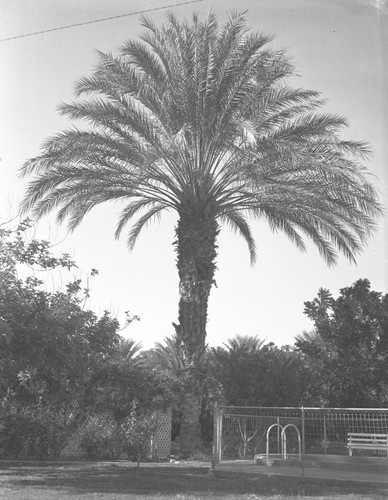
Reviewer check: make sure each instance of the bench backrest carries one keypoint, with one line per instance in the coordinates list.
(367, 438)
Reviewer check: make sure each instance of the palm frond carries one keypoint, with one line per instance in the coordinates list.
(133, 208)
(142, 222)
(239, 224)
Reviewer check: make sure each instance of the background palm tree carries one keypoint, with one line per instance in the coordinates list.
(128, 351)
(197, 118)
(248, 343)
(168, 357)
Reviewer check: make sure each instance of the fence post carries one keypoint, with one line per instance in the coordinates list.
(217, 435)
(324, 433)
(303, 442)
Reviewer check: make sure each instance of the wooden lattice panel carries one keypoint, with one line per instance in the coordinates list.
(161, 441)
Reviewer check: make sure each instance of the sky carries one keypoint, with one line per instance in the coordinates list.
(339, 47)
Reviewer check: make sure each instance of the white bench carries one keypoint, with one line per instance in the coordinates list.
(367, 441)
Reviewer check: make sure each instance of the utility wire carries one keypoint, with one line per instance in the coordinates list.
(99, 20)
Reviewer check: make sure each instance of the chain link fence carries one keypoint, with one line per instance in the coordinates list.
(103, 424)
(74, 433)
(337, 443)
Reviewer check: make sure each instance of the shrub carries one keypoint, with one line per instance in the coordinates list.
(38, 431)
(137, 430)
(101, 439)
(14, 430)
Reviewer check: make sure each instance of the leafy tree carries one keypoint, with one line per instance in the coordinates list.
(252, 373)
(49, 346)
(197, 118)
(347, 353)
(48, 340)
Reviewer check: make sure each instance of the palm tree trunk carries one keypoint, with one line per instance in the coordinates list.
(196, 249)
(190, 429)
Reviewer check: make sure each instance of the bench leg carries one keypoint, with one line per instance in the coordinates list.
(350, 452)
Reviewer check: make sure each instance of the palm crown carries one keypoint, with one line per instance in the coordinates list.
(198, 119)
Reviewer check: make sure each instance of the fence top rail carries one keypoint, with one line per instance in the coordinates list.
(250, 415)
(222, 407)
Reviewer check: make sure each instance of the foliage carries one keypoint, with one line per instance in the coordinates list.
(101, 438)
(104, 437)
(347, 353)
(198, 118)
(13, 431)
(253, 373)
(167, 358)
(49, 346)
(16, 249)
(60, 363)
(33, 430)
(125, 377)
(138, 428)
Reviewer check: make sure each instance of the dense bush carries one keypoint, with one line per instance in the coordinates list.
(38, 431)
(14, 431)
(252, 373)
(101, 439)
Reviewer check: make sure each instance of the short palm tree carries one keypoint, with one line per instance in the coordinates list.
(168, 356)
(197, 118)
(247, 343)
(128, 351)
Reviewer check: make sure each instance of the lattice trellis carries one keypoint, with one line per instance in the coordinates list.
(96, 421)
(161, 440)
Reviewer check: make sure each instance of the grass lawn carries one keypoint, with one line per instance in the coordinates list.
(184, 481)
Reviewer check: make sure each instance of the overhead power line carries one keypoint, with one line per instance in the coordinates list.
(99, 20)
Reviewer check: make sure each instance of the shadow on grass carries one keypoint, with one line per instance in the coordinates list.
(122, 478)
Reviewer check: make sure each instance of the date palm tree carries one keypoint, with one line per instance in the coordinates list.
(244, 343)
(198, 118)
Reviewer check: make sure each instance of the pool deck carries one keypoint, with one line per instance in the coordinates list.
(338, 469)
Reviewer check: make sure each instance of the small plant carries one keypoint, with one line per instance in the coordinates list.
(138, 429)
